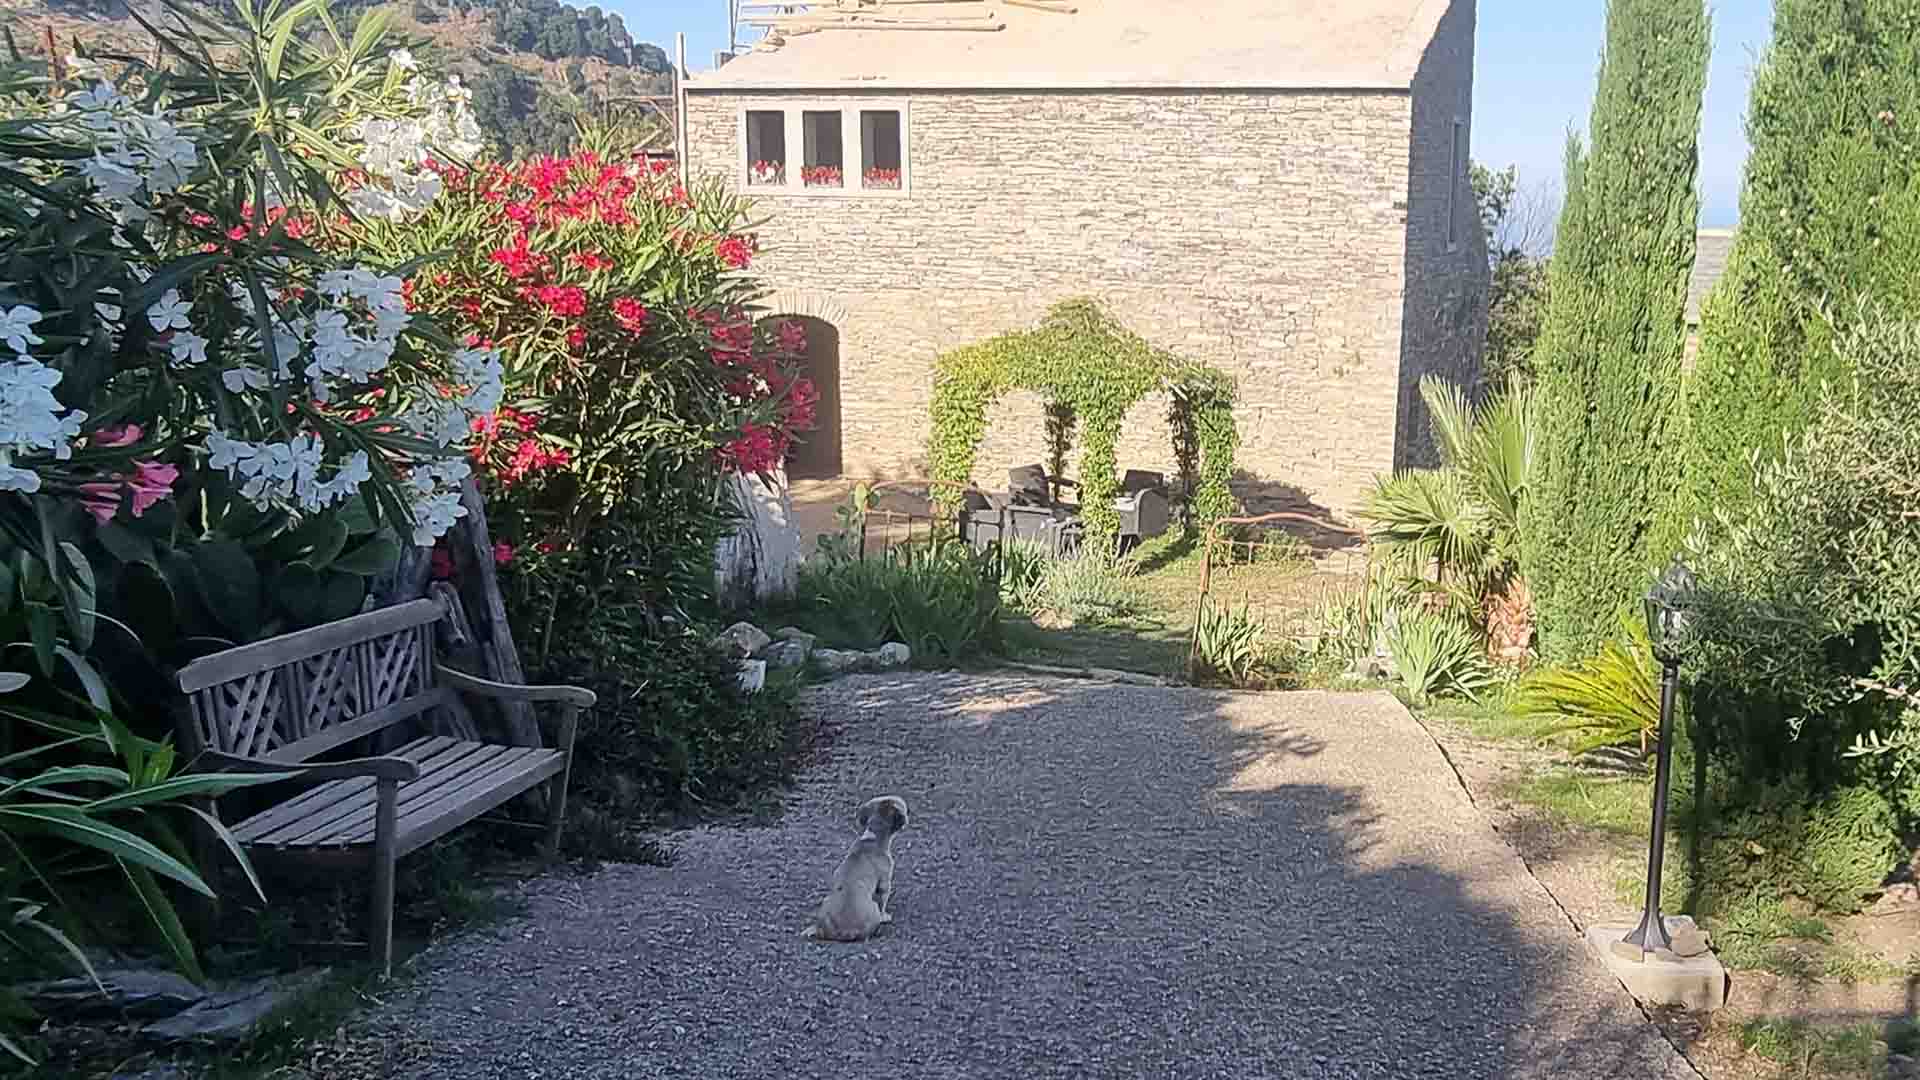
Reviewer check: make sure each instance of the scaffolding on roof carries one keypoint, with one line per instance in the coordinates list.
(783, 20)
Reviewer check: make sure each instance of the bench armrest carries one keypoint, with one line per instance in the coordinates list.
(578, 697)
(380, 768)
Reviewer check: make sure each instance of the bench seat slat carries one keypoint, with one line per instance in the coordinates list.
(446, 764)
(316, 799)
(329, 799)
(455, 769)
(345, 801)
(458, 782)
(425, 822)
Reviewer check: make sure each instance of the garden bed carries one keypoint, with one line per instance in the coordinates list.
(1813, 996)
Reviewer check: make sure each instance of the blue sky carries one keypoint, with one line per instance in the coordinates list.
(1537, 60)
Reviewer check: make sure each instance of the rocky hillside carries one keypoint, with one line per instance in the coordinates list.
(534, 65)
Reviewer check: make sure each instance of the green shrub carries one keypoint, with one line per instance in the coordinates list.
(1092, 589)
(1830, 850)
(1227, 644)
(939, 598)
(1609, 355)
(1435, 652)
(1610, 699)
(1808, 644)
(1023, 574)
(673, 728)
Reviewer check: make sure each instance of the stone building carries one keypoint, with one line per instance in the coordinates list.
(1278, 188)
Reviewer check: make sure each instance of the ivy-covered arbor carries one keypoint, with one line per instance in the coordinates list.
(1090, 370)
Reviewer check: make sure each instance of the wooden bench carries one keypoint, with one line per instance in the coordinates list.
(273, 705)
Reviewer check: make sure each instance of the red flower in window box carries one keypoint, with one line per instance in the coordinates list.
(821, 176)
(767, 172)
(885, 179)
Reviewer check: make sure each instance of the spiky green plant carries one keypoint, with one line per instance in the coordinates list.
(1609, 699)
(1227, 643)
(1436, 652)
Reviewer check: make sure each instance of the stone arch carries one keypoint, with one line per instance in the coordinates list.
(819, 454)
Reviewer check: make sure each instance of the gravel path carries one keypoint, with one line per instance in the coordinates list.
(1099, 881)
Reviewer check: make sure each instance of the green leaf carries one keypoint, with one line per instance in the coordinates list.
(78, 594)
(182, 787)
(125, 544)
(67, 774)
(77, 826)
(90, 680)
(166, 920)
(239, 853)
(229, 584)
(376, 556)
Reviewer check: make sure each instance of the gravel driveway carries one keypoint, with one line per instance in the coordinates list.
(1098, 881)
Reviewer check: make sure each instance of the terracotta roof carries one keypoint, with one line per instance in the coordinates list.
(1709, 262)
(1122, 44)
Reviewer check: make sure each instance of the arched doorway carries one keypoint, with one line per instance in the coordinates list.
(816, 456)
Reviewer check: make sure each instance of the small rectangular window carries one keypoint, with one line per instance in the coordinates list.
(880, 149)
(823, 159)
(1455, 170)
(766, 147)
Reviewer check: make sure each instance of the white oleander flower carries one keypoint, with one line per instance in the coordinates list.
(170, 312)
(188, 348)
(16, 328)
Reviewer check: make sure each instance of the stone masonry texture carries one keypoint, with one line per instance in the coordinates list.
(1296, 240)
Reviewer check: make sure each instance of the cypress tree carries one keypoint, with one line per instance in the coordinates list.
(1830, 211)
(1610, 351)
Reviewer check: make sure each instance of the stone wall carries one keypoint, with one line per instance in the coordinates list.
(1444, 327)
(1265, 234)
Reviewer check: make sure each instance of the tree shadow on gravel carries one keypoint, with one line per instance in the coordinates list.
(1099, 881)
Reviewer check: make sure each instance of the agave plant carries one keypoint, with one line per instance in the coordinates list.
(1611, 699)
(1435, 652)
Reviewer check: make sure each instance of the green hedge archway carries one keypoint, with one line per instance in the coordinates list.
(1091, 370)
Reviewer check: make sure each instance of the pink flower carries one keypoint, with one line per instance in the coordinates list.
(440, 565)
(102, 500)
(151, 483)
(502, 553)
(117, 436)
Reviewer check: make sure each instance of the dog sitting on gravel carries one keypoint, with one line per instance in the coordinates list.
(856, 903)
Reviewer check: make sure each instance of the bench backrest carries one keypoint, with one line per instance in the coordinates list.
(290, 697)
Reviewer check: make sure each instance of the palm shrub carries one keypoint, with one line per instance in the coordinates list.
(1830, 209)
(1460, 522)
(1609, 356)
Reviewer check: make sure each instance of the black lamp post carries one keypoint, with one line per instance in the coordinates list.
(1667, 616)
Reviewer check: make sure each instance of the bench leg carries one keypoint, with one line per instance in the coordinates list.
(386, 824)
(557, 792)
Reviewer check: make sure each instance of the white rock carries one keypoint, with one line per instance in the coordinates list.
(742, 640)
(753, 675)
(838, 660)
(788, 654)
(892, 654)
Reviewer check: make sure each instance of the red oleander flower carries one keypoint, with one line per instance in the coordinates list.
(735, 252)
(631, 313)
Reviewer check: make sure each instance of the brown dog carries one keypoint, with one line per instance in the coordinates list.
(856, 903)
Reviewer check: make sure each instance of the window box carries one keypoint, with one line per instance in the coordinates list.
(856, 148)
